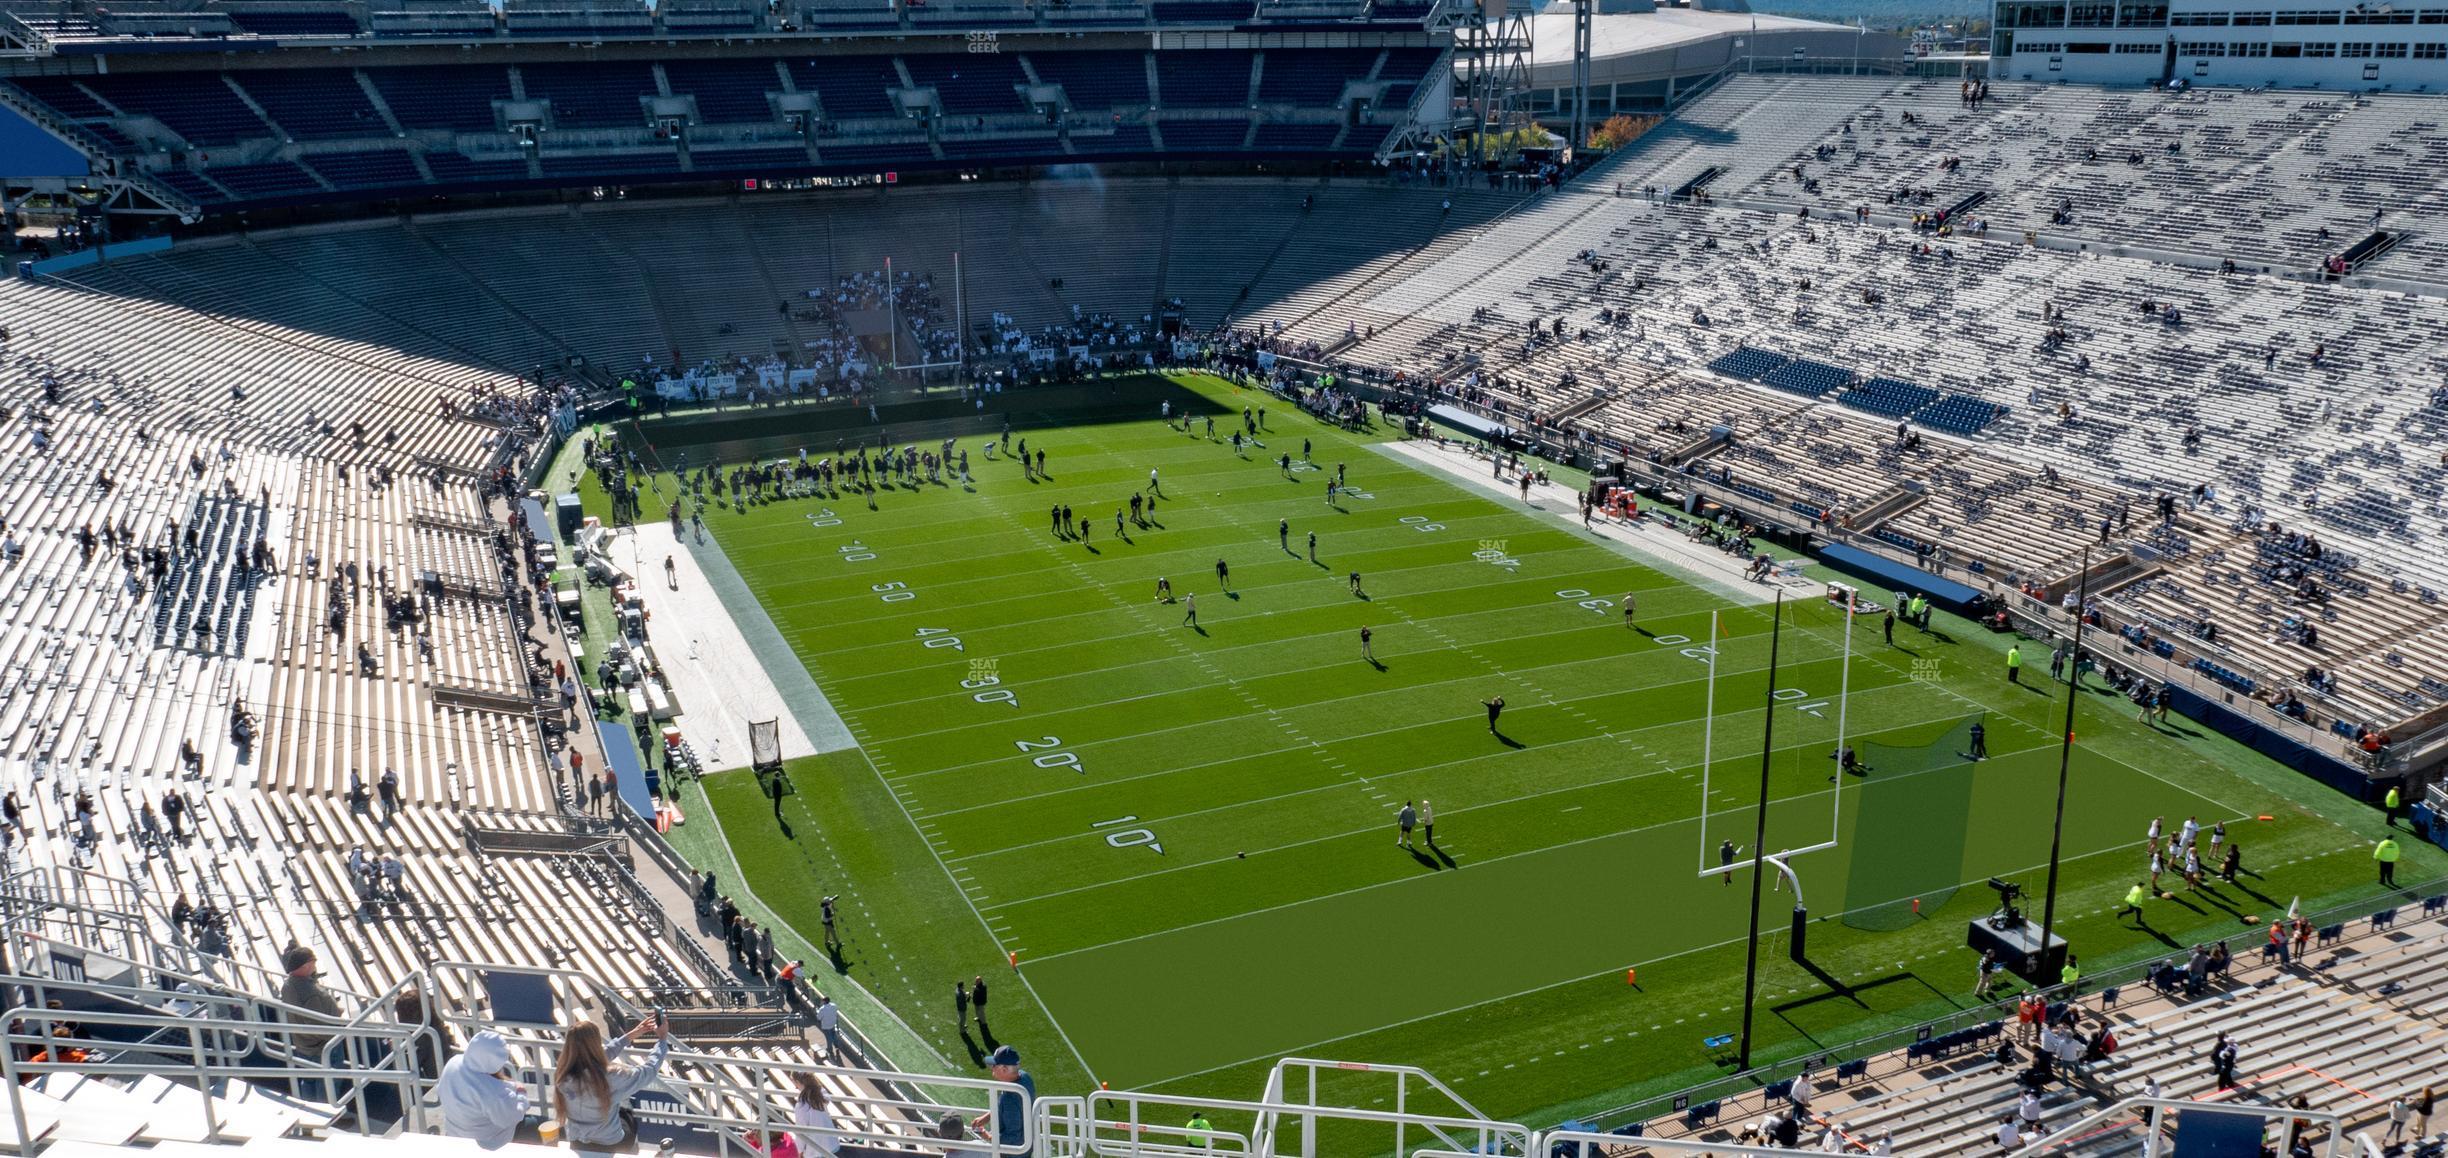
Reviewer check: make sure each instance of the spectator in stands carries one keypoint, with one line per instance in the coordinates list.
(950, 1128)
(1011, 1110)
(411, 1008)
(808, 1110)
(591, 1089)
(479, 1101)
(828, 1021)
(303, 988)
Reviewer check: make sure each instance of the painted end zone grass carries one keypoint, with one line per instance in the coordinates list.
(1186, 832)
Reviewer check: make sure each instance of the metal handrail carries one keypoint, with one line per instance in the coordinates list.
(1491, 1136)
(2146, 1113)
(205, 1064)
(1875, 1045)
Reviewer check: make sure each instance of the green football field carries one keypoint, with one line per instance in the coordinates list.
(1186, 833)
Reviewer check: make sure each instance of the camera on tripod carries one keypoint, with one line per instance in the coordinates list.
(2008, 915)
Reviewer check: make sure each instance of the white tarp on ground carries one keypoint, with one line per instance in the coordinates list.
(720, 682)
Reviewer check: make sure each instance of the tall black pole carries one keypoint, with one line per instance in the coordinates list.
(2065, 761)
(1759, 837)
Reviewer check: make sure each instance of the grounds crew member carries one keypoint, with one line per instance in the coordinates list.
(2014, 663)
(2390, 802)
(2386, 852)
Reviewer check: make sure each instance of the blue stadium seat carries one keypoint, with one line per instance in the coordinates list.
(1960, 414)
(849, 88)
(1311, 76)
(663, 160)
(727, 91)
(1204, 136)
(194, 185)
(1209, 79)
(1126, 139)
(315, 103)
(1095, 80)
(596, 95)
(1887, 396)
(1807, 378)
(198, 106)
(457, 97)
(454, 169)
(268, 180)
(379, 169)
(1203, 11)
(750, 162)
(63, 95)
(1041, 146)
(1365, 138)
(971, 84)
(1297, 138)
(1747, 363)
(295, 22)
(889, 153)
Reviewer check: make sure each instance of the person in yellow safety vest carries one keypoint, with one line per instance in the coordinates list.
(1198, 1127)
(2072, 971)
(2386, 853)
(2391, 802)
(2014, 663)
(2133, 901)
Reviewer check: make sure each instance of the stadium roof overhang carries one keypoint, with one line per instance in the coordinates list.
(1681, 42)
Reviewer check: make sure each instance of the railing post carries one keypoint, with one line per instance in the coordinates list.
(212, 1120)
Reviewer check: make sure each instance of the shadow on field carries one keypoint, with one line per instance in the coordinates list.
(736, 434)
(1838, 990)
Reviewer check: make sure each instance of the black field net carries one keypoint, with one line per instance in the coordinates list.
(1909, 829)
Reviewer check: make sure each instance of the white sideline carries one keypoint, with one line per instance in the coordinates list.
(1704, 567)
(717, 680)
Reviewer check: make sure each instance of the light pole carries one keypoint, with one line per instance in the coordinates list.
(1759, 838)
(2065, 759)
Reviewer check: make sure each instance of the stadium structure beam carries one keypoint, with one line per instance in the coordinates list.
(1492, 46)
(1759, 839)
(2065, 761)
(1582, 11)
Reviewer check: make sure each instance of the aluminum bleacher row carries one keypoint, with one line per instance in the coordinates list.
(2264, 177)
(2291, 400)
(2294, 401)
(1946, 1094)
(207, 432)
(288, 135)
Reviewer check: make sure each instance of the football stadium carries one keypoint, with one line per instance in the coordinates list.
(1173, 578)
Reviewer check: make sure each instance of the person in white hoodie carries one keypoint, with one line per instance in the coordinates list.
(479, 1103)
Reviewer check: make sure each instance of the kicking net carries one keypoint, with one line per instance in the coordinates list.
(765, 744)
(1911, 824)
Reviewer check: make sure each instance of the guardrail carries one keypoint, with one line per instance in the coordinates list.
(2152, 1118)
(1876, 1045)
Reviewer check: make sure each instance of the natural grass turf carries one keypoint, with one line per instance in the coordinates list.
(967, 829)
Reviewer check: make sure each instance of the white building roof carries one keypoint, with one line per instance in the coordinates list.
(1634, 33)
